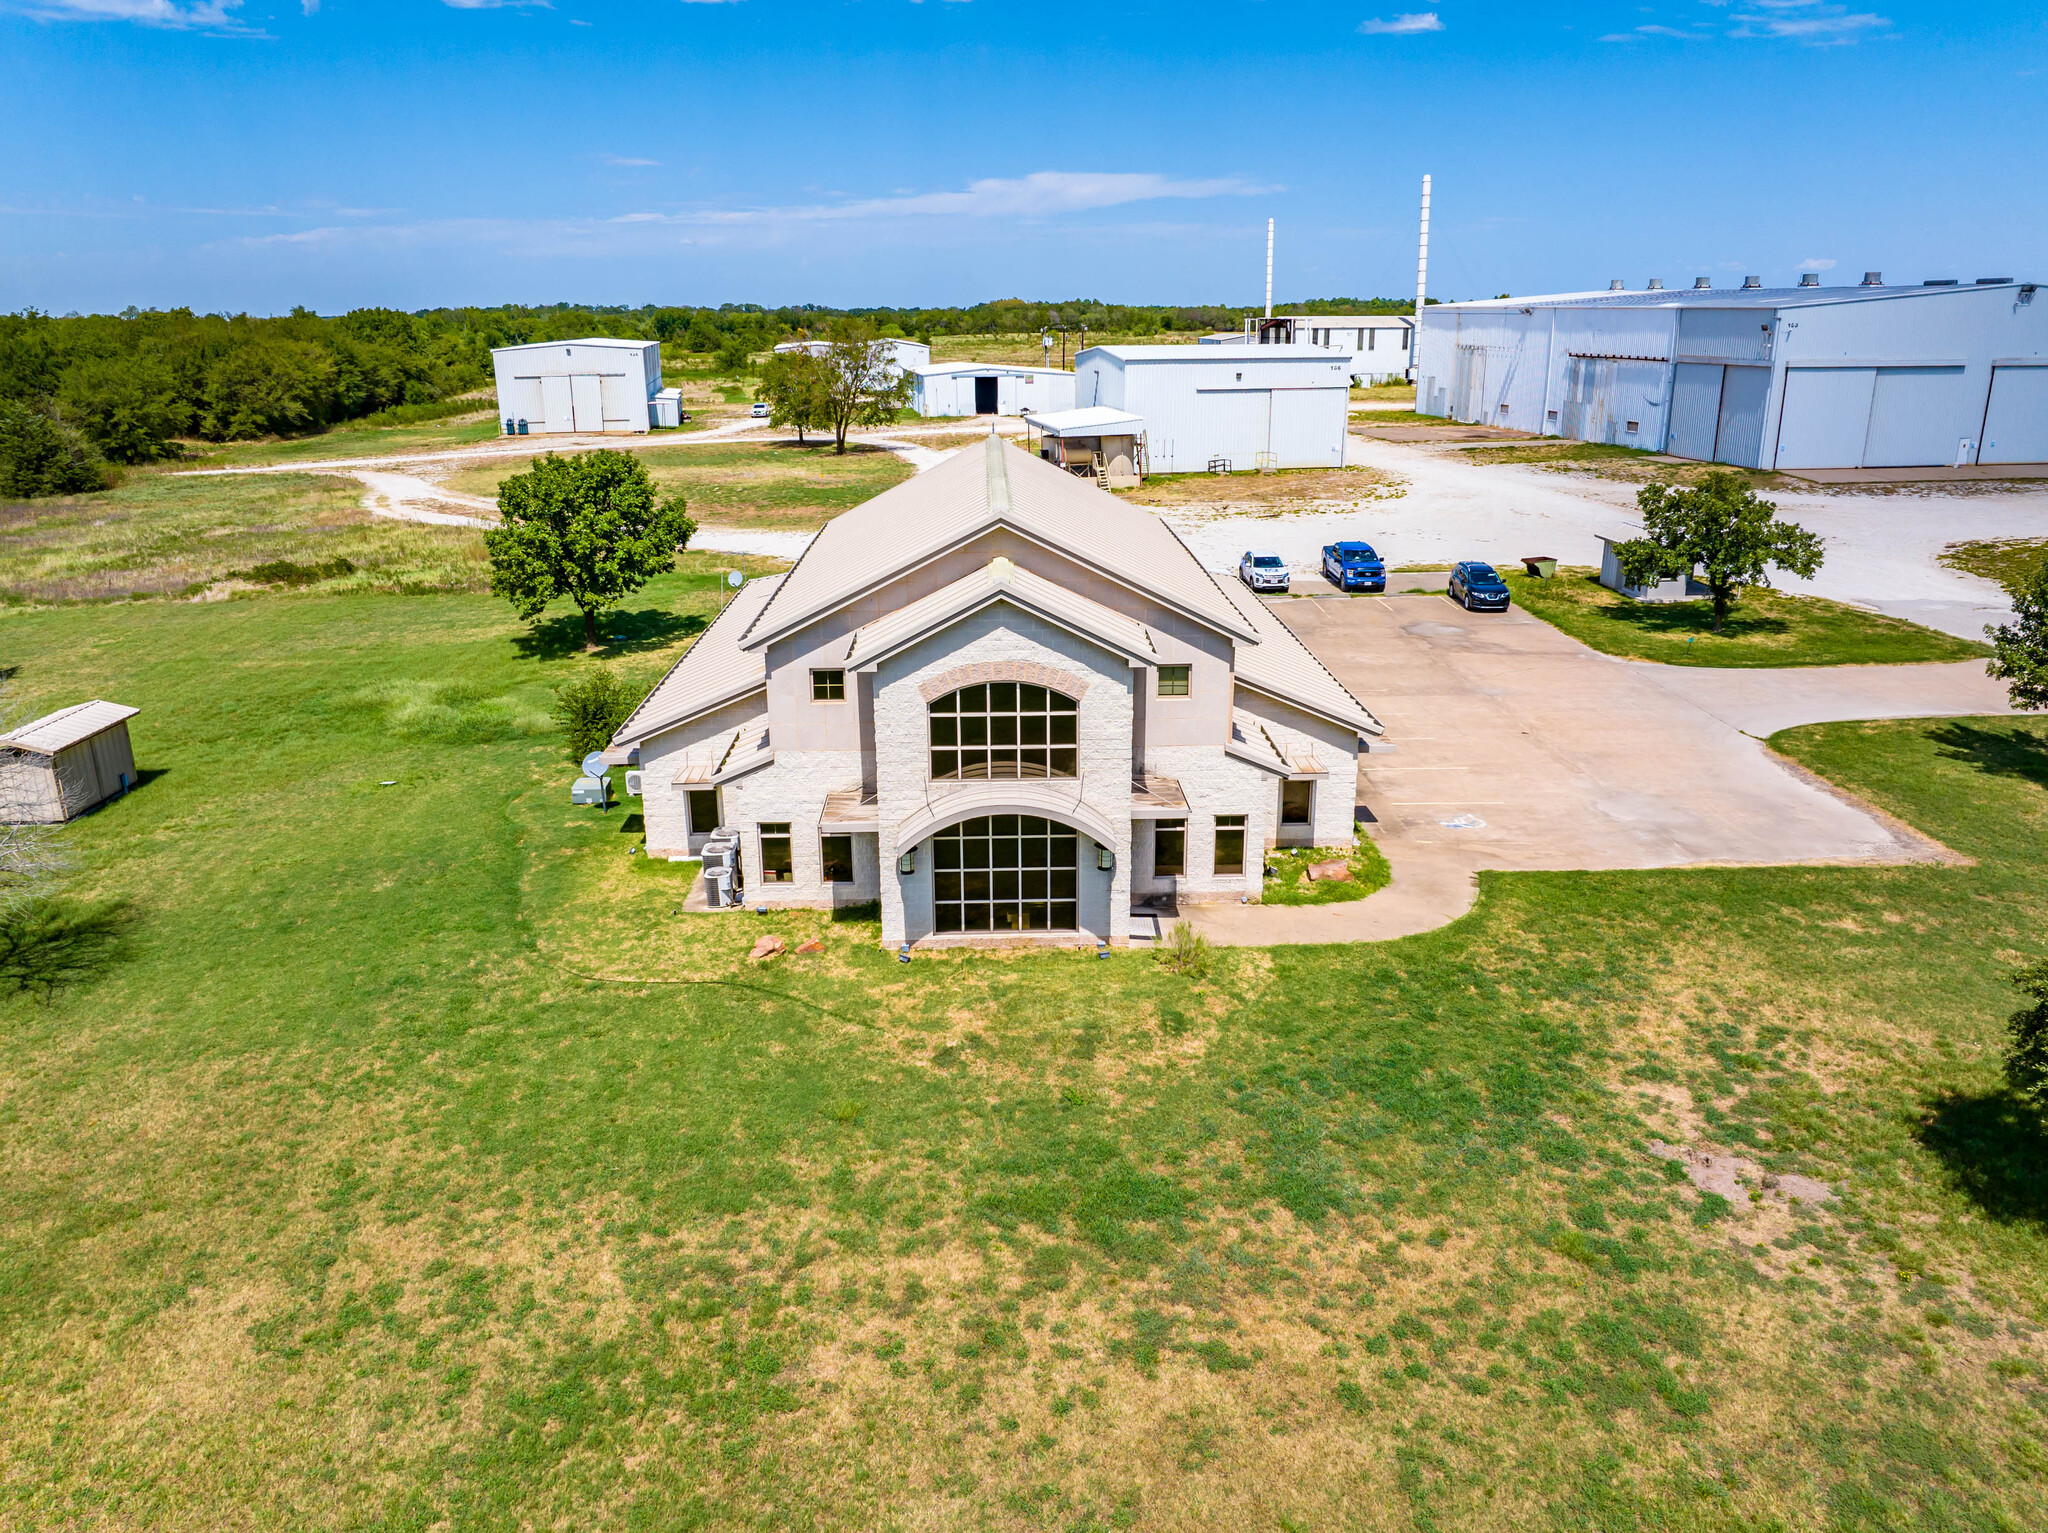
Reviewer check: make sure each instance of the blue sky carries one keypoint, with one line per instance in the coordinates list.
(249, 155)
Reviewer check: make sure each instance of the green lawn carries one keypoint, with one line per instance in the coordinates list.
(1289, 883)
(1765, 628)
(398, 1157)
(2009, 561)
(752, 484)
(158, 534)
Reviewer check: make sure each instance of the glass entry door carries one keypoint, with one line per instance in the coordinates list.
(1005, 873)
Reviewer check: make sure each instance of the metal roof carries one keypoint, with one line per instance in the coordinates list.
(972, 492)
(1283, 667)
(587, 340)
(935, 369)
(1089, 420)
(1725, 297)
(66, 727)
(999, 580)
(1300, 351)
(712, 672)
(1384, 321)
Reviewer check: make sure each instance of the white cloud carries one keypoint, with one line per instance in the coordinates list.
(1805, 21)
(310, 7)
(620, 159)
(1041, 194)
(193, 16)
(1817, 263)
(1402, 26)
(495, 5)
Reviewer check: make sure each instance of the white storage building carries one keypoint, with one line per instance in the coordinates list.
(1378, 343)
(591, 385)
(1871, 376)
(904, 355)
(987, 388)
(63, 763)
(1252, 407)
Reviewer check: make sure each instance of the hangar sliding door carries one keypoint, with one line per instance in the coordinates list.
(617, 391)
(1739, 434)
(1695, 410)
(1919, 416)
(556, 405)
(2016, 421)
(587, 392)
(1233, 423)
(1826, 417)
(1307, 429)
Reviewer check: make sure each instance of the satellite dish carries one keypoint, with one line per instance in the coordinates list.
(594, 764)
(735, 579)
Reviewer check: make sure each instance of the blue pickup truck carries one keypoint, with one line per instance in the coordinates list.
(1354, 567)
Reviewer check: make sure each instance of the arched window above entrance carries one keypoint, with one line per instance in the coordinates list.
(1004, 729)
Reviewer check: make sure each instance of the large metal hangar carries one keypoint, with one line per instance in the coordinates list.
(1245, 406)
(1871, 376)
(591, 385)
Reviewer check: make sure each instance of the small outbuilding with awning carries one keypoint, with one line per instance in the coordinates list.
(1105, 444)
(63, 763)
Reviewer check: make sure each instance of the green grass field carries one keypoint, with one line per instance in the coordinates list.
(159, 534)
(1765, 628)
(2009, 561)
(398, 1157)
(753, 484)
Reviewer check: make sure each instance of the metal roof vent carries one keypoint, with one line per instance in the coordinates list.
(1614, 286)
(1703, 282)
(1992, 281)
(1873, 279)
(1656, 284)
(1939, 282)
(1809, 279)
(1752, 282)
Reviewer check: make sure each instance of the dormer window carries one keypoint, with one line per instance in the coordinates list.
(1004, 729)
(828, 686)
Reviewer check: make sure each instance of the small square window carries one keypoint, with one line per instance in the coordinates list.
(828, 686)
(1174, 679)
(1632, 428)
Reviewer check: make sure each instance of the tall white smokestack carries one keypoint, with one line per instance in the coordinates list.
(1422, 255)
(1269, 268)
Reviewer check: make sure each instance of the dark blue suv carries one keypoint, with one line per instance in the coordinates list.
(1354, 567)
(1477, 587)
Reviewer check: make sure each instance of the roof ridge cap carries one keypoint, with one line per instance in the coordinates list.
(998, 477)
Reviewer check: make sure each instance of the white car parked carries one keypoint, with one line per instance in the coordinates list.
(760, 412)
(1263, 570)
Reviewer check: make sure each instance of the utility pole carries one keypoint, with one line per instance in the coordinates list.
(1422, 255)
(1421, 280)
(1269, 268)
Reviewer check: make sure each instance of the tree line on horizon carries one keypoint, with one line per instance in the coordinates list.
(81, 394)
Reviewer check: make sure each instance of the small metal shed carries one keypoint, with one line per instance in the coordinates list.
(65, 762)
(1107, 444)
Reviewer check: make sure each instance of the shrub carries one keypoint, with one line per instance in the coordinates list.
(591, 709)
(1186, 950)
(40, 455)
(2026, 1049)
(282, 572)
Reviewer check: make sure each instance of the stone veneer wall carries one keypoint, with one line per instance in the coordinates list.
(1005, 637)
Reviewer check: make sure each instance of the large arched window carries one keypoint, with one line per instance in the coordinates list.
(1005, 873)
(1005, 729)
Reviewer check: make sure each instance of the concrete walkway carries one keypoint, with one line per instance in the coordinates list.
(1517, 748)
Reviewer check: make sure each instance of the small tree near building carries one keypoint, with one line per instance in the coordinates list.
(863, 385)
(587, 528)
(2021, 646)
(798, 388)
(1722, 528)
(2026, 1049)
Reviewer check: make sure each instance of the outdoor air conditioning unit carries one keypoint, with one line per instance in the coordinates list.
(633, 785)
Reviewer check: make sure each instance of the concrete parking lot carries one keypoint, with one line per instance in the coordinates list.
(1516, 747)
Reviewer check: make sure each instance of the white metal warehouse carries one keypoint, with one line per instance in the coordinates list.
(591, 385)
(987, 388)
(1378, 343)
(1871, 376)
(1248, 406)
